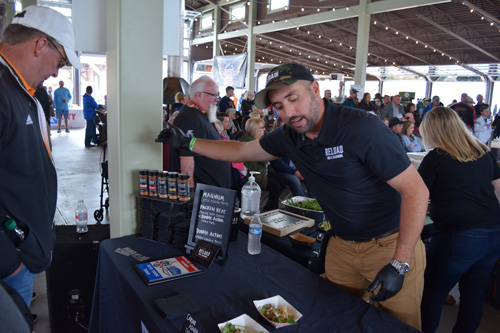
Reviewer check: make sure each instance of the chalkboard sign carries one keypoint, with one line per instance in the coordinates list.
(211, 218)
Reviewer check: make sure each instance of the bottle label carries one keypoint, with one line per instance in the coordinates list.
(255, 230)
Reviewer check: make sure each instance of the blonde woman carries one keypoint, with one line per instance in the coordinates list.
(462, 177)
(234, 125)
(180, 100)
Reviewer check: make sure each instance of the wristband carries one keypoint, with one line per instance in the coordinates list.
(191, 144)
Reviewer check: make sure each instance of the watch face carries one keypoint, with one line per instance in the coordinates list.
(404, 268)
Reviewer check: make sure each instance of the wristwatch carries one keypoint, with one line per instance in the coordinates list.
(402, 267)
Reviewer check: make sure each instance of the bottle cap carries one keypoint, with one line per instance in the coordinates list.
(143, 172)
(10, 224)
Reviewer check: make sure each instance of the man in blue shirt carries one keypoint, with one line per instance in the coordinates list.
(62, 97)
(89, 108)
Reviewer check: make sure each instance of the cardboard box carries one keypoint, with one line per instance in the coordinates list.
(280, 222)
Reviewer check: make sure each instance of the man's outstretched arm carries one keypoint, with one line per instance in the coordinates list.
(228, 151)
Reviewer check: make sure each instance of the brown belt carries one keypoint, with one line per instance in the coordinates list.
(385, 234)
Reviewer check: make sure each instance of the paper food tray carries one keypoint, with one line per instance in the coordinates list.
(278, 302)
(246, 322)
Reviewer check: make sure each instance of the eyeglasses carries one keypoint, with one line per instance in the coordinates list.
(214, 96)
(65, 61)
(263, 127)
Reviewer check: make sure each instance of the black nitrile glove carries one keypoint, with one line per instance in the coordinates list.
(391, 281)
(175, 136)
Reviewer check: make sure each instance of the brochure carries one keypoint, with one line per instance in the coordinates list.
(158, 271)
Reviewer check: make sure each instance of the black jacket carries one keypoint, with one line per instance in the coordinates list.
(28, 179)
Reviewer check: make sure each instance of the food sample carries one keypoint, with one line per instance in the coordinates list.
(230, 328)
(311, 204)
(277, 315)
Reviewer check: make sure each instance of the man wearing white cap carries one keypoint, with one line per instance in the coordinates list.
(34, 47)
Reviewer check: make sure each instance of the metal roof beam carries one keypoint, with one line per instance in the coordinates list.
(481, 11)
(329, 16)
(285, 39)
(392, 5)
(451, 33)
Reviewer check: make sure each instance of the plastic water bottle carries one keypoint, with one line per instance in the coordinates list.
(254, 234)
(15, 233)
(81, 218)
(250, 197)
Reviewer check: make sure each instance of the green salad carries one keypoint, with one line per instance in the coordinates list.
(311, 204)
(230, 328)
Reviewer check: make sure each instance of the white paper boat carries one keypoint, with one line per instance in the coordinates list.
(246, 322)
(278, 302)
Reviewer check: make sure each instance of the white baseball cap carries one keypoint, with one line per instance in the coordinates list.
(52, 23)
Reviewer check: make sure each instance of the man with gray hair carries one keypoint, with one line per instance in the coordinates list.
(393, 109)
(196, 119)
(35, 46)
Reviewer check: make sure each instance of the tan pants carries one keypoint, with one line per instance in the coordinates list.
(354, 265)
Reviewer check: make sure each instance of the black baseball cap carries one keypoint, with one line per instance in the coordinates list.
(281, 77)
(395, 121)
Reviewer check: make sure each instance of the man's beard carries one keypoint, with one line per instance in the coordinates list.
(309, 122)
(212, 113)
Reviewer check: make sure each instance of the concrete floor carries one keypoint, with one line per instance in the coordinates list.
(79, 178)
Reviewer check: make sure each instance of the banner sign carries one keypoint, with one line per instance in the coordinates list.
(231, 70)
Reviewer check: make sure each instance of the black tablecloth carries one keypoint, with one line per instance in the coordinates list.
(122, 300)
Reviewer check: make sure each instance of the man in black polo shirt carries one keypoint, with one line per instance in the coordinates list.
(362, 178)
(194, 119)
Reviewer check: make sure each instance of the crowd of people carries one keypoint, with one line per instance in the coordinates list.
(404, 120)
(375, 199)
